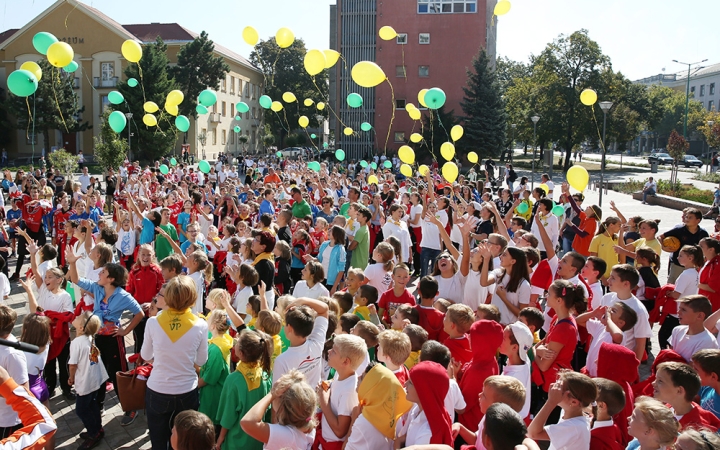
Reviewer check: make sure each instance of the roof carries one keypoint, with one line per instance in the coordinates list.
(7, 33)
(701, 72)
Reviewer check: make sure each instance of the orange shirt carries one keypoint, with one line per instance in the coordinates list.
(588, 225)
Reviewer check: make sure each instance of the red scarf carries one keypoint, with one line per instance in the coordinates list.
(432, 384)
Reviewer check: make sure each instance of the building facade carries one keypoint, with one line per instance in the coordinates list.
(704, 84)
(96, 40)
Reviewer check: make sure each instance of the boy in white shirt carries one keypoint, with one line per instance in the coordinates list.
(592, 271)
(605, 325)
(691, 335)
(517, 341)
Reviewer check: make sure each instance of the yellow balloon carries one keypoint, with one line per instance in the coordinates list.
(578, 177)
(276, 106)
(60, 54)
(33, 68)
(414, 114)
(406, 170)
(303, 121)
(416, 137)
(131, 50)
(502, 8)
(284, 37)
(447, 150)
(149, 120)
(473, 157)
(309, 102)
(409, 106)
(250, 36)
(315, 62)
(171, 109)
(367, 74)
(150, 107)
(175, 97)
(406, 154)
(421, 97)
(331, 57)
(372, 179)
(321, 106)
(387, 33)
(289, 97)
(424, 170)
(457, 132)
(348, 131)
(450, 172)
(588, 97)
(544, 187)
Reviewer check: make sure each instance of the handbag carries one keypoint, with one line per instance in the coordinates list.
(131, 389)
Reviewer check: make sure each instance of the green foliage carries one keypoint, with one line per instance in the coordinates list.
(667, 111)
(110, 148)
(665, 187)
(197, 69)
(709, 177)
(711, 132)
(291, 140)
(149, 143)
(436, 130)
(7, 127)
(64, 161)
(484, 109)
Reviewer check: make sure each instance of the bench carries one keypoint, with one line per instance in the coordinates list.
(672, 202)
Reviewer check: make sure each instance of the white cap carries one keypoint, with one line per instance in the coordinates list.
(524, 338)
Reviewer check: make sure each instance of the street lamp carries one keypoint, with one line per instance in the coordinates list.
(605, 106)
(129, 116)
(512, 141)
(687, 93)
(534, 121)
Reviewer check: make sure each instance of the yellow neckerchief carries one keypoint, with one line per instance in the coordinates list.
(544, 219)
(176, 323)
(224, 343)
(383, 400)
(252, 372)
(413, 359)
(269, 230)
(396, 222)
(349, 224)
(251, 324)
(267, 255)
(363, 312)
(277, 347)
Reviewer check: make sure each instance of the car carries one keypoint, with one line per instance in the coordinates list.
(292, 152)
(691, 161)
(660, 158)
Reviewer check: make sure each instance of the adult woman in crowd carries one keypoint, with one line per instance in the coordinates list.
(263, 245)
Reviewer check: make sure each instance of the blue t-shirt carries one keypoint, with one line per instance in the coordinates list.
(710, 400)
(13, 214)
(183, 220)
(147, 235)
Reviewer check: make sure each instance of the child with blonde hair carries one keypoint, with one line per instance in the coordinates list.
(213, 373)
(393, 350)
(652, 424)
(271, 323)
(379, 274)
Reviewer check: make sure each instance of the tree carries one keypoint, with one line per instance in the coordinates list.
(676, 147)
(202, 140)
(711, 132)
(150, 143)
(65, 162)
(284, 72)
(110, 148)
(54, 106)
(667, 111)
(485, 117)
(243, 141)
(436, 131)
(268, 140)
(7, 127)
(197, 69)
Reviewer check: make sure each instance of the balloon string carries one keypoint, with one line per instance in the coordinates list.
(57, 103)
(346, 76)
(32, 141)
(272, 74)
(432, 136)
(30, 119)
(402, 49)
(281, 124)
(597, 128)
(284, 111)
(392, 117)
(312, 141)
(71, 11)
(142, 82)
(327, 103)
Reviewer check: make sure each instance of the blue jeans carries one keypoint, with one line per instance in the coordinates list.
(427, 259)
(648, 192)
(161, 410)
(567, 245)
(87, 408)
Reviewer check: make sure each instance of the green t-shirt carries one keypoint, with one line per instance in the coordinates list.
(344, 210)
(162, 246)
(301, 209)
(213, 372)
(235, 401)
(361, 253)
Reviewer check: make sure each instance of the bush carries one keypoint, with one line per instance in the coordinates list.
(665, 187)
(711, 177)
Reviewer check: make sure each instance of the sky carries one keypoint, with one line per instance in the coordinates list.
(641, 37)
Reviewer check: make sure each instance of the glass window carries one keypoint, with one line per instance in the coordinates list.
(712, 88)
(224, 106)
(400, 71)
(692, 90)
(232, 110)
(104, 104)
(711, 105)
(223, 84)
(702, 90)
(401, 38)
(214, 137)
(424, 38)
(424, 71)
(399, 104)
(446, 6)
(232, 137)
(107, 70)
(224, 137)
(399, 136)
(232, 85)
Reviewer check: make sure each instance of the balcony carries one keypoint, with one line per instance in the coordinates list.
(214, 117)
(109, 83)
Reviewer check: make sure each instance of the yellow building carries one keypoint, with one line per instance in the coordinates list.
(96, 40)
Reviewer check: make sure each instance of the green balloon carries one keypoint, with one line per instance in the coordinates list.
(242, 107)
(325, 145)
(340, 154)
(72, 67)
(207, 98)
(22, 83)
(373, 166)
(117, 121)
(132, 82)
(387, 164)
(558, 210)
(354, 100)
(182, 123)
(265, 101)
(236, 129)
(238, 118)
(164, 169)
(435, 98)
(522, 208)
(173, 162)
(278, 154)
(365, 126)
(204, 166)
(314, 165)
(313, 136)
(115, 97)
(363, 164)
(42, 41)
(201, 109)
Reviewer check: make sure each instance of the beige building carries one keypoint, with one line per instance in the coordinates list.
(96, 40)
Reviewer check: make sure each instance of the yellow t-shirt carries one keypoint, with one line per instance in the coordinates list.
(277, 349)
(413, 359)
(654, 244)
(603, 245)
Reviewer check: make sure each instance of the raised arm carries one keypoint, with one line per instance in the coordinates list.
(617, 211)
(319, 307)
(501, 225)
(549, 248)
(485, 279)
(32, 302)
(443, 234)
(72, 258)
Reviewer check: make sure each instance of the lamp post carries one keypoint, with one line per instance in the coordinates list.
(534, 121)
(605, 106)
(687, 93)
(512, 141)
(129, 116)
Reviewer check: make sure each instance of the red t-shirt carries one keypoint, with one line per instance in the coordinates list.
(33, 212)
(59, 219)
(431, 320)
(402, 374)
(563, 332)
(459, 349)
(145, 282)
(389, 301)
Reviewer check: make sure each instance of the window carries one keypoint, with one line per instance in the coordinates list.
(232, 110)
(712, 88)
(446, 6)
(692, 90)
(247, 89)
(400, 71)
(253, 114)
(224, 106)
(224, 137)
(400, 104)
(214, 137)
(232, 85)
(223, 84)
(104, 104)
(401, 38)
(232, 137)
(399, 136)
(702, 90)
(424, 38)
(214, 108)
(107, 71)
(711, 105)
(424, 71)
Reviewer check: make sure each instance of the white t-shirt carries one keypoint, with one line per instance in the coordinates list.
(522, 373)
(326, 260)
(365, 436)
(126, 242)
(4, 285)
(599, 334)
(315, 292)
(44, 266)
(14, 362)
(343, 398)
(571, 434)
(551, 225)
(60, 302)
(474, 293)
(418, 431)
(199, 280)
(286, 436)
(306, 357)
(377, 277)
(597, 292)
(686, 345)
(687, 283)
(205, 223)
(91, 373)
(454, 399)
(402, 234)
(430, 233)
(452, 288)
(36, 362)
(241, 299)
(521, 295)
(641, 329)
(415, 210)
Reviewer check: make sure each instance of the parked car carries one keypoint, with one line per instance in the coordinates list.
(691, 161)
(660, 158)
(292, 152)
